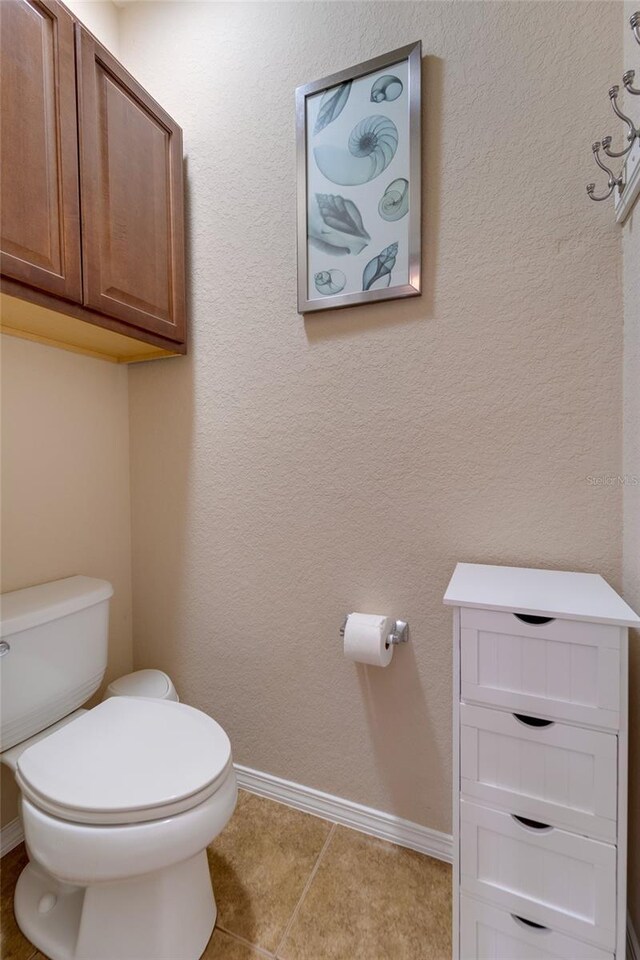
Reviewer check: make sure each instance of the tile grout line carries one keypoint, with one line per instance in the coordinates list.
(306, 888)
(247, 943)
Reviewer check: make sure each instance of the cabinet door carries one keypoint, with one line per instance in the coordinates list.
(40, 234)
(132, 197)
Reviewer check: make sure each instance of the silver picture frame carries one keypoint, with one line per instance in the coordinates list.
(411, 279)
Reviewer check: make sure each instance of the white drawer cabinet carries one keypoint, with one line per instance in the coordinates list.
(562, 880)
(540, 764)
(541, 769)
(562, 668)
(489, 933)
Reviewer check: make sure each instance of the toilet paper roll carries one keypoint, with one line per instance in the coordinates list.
(365, 639)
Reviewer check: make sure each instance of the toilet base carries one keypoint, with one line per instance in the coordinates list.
(166, 915)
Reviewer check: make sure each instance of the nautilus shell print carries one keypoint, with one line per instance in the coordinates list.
(335, 225)
(332, 104)
(370, 149)
(386, 88)
(330, 281)
(394, 203)
(377, 272)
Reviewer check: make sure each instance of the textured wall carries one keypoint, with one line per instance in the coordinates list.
(65, 482)
(101, 17)
(289, 471)
(631, 470)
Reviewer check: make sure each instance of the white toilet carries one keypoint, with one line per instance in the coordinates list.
(118, 802)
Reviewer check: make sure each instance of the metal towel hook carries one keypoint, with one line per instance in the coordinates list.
(613, 181)
(631, 136)
(626, 192)
(627, 79)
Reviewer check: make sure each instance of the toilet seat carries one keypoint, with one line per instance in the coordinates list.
(126, 761)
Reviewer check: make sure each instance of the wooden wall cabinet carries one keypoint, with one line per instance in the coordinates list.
(92, 195)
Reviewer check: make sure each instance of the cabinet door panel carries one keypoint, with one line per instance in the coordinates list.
(132, 198)
(487, 933)
(566, 669)
(556, 773)
(40, 240)
(552, 877)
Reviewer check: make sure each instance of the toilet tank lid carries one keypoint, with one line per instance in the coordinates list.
(23, 609)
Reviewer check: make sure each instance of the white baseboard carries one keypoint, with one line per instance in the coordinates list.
(11, 835)
(633, 944)
(376, 823)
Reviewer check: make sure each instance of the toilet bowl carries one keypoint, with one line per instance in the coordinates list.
(118, 803)
(118, 808)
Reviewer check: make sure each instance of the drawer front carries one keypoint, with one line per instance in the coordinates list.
(562, 669)
(561, 880)
(488, 933)
(555, 773)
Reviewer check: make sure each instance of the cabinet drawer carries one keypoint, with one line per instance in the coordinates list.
(552, 877)
(555, 773)
(488, 933)
(563, 669)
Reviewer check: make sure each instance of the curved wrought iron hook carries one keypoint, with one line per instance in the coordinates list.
(613, 181)
(631, 136)
(634, 20)
(628, 79)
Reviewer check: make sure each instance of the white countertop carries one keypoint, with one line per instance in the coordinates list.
(549, 593)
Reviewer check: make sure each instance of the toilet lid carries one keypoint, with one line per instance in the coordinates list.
(126, 761)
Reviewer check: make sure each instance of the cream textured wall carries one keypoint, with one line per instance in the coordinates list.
(291, 470)
(631, 471)
(65, 482)
(102, 18)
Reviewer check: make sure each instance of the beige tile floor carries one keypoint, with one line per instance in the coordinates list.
(291, 886)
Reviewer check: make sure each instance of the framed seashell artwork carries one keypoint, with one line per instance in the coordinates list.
(359, 179)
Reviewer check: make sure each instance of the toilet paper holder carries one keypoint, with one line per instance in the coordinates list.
(399, 633)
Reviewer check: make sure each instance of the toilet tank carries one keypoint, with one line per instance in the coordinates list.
(53, 653)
